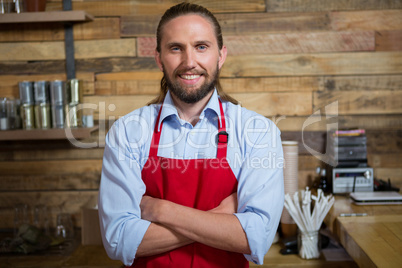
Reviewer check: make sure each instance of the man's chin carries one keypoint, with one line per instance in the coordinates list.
(190, 97)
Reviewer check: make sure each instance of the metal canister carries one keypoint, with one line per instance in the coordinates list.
(27, 116)
(26, 92)
(13, 109)
(73, 116)
(42, 109)
(27, 104)
(4, 123)
(58, 116)
(58, 101)
(42, 113)
(74, 91)
(74, 99)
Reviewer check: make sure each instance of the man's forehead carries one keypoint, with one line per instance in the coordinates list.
(191, 18)
(195, 23)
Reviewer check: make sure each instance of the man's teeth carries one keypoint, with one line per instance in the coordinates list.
(190, 77)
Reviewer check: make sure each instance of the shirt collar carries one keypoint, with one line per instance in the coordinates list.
(169, 109)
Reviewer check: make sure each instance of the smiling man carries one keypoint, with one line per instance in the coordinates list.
(193, 179)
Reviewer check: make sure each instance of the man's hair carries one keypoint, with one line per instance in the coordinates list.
(181, 10)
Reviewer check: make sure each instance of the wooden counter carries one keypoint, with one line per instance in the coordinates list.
(95, 256)
(83, 256)
(374, 240)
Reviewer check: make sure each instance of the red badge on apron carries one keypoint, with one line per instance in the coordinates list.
(196, 183)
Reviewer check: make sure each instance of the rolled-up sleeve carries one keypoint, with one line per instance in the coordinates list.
(261, 190)
(120, 193)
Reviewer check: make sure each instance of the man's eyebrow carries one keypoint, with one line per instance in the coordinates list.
(204, 42)
(201, 42)
(174, 44)
(178, 44)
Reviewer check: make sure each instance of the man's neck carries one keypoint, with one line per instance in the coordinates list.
(191, 111)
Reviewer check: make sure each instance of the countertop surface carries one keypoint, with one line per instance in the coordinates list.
(374, 240)
(95, 256)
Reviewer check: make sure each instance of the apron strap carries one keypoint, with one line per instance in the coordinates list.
(153, 150)
(222, 138)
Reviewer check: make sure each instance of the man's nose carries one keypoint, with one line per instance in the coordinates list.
(189, 58)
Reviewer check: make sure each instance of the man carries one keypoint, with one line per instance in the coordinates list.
(191, 180)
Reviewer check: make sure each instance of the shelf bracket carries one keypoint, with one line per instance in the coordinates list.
(69, 43)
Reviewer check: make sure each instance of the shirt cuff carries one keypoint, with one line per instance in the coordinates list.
(126, 249)
(256, 234)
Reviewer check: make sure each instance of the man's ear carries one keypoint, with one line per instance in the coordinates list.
(158, 60)
(222, 56)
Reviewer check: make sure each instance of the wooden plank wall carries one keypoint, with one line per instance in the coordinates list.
(298, 62)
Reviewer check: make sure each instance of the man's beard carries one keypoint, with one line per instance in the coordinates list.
(196, 95)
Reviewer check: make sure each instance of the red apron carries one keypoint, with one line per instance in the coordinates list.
(196, 183)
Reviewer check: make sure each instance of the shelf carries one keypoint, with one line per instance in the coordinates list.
(46, 134)
(49, 16)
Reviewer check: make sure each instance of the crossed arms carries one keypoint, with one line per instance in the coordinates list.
(174, 225)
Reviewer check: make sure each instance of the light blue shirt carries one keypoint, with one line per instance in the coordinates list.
(254, 153)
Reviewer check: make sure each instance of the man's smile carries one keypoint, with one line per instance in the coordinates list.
(189, 76)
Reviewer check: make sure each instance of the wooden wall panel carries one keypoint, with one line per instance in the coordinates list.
(127, 87)
(386, 141)
(99, 28)
(87, 49)
(139, 25)
(313, 64)
(146, 46)
(259, 23)
(126, 7)
(387, 160)
(328, 5)
(128, 83)
(361, 102)
(388, 41)
(50, 149)
(320, 122)
(288, 43)
(367, 20)
(116, 7)
(362, 82)
(69, 153)
(270, 84)
(232, 6)
(113, 107)
(50, 167)
(101, 65)
(269, 104)
(127, 76)
(49, 182)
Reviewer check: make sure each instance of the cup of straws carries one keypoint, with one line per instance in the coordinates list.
(308, 211)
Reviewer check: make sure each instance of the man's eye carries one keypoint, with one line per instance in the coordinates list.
(175, 49)
(202, 47)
